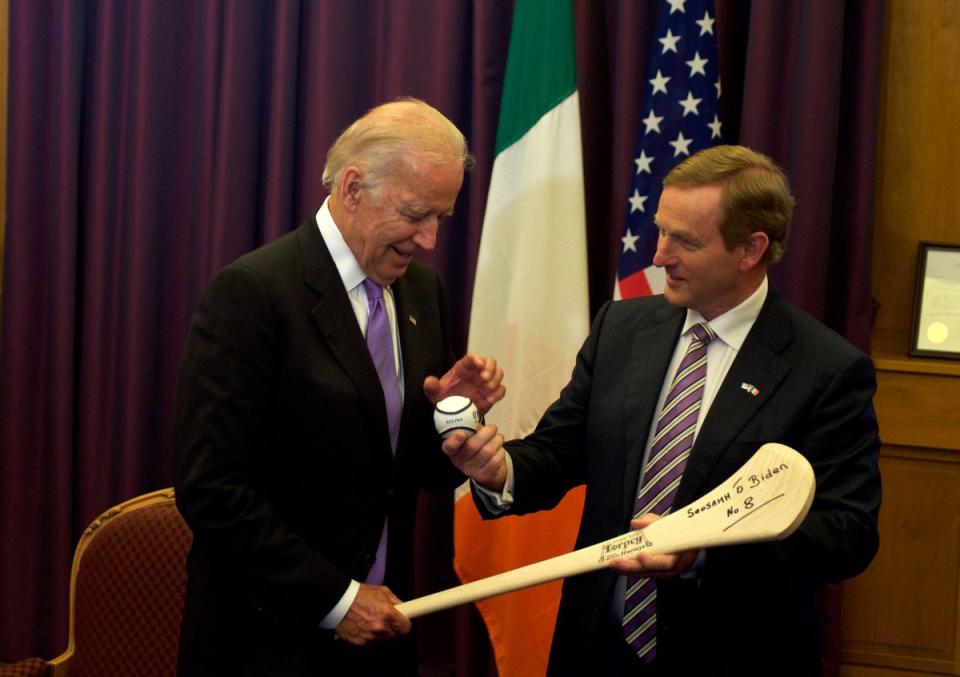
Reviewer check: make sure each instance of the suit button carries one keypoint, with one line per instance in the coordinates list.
(369, 559)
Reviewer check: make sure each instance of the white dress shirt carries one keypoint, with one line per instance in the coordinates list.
(353, 276)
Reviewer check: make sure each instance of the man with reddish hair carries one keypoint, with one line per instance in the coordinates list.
(670, 395)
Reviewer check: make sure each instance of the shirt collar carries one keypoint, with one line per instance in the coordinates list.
(350, 271)
(733, 326)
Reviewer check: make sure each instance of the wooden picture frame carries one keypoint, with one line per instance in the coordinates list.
(936, 307)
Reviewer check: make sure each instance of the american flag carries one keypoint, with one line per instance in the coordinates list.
(680, 117)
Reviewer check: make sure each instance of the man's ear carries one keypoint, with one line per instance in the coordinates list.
(753, 250)
(348, 190)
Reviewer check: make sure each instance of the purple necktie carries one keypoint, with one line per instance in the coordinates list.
(672, 441)
(380, 345)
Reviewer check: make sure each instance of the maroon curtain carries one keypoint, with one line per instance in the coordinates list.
(152, 142)
(811, 100)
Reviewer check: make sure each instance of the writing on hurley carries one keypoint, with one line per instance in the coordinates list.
(752, 482)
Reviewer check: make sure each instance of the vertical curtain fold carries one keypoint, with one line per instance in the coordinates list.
(40, 310)
(811, 86)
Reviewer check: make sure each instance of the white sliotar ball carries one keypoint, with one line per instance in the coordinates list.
(456, 413)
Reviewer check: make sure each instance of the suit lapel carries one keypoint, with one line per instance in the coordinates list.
(649, 358)
(337, 322)
(757, 365)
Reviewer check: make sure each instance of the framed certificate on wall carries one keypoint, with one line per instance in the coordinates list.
(936, 306)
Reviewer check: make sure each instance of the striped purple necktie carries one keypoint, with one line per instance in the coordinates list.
(672, 441)
(380, 345)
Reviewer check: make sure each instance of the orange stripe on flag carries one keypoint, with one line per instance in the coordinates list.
(520, 623)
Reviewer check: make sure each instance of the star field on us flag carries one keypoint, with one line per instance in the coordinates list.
(680, 117)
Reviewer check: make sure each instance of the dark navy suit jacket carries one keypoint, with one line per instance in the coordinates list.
(750, 609)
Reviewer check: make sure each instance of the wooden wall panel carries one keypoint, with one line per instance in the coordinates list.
(902, 612)
(919, 155)
(919, 409)
(902, 616)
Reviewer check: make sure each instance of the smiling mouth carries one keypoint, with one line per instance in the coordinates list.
(404, 254)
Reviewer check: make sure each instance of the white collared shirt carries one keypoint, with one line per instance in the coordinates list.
(731, 329)
(353, 276)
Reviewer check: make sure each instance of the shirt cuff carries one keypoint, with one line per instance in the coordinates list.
(495, 503)
(332, 619)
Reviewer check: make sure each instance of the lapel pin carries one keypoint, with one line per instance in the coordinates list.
(750, 388)
(412, 319)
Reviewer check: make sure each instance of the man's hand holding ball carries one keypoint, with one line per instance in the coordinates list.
(479, 455)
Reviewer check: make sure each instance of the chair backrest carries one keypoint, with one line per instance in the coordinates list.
(126, 591)
(28, 667)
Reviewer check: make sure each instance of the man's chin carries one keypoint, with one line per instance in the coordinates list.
(393, 273)
(674, 296)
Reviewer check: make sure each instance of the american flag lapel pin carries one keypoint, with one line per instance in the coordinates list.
(750, 388)
(412, 319)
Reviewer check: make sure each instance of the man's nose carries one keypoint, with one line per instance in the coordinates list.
(426, 235)
(661, 256)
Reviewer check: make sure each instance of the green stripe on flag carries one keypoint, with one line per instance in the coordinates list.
(541, 66)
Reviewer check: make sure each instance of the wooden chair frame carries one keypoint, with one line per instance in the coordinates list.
(60, 665)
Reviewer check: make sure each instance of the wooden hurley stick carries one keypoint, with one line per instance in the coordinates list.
(765, 500)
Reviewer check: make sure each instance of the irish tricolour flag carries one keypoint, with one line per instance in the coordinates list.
(530, 310)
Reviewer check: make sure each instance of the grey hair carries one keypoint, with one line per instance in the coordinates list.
(404, 129)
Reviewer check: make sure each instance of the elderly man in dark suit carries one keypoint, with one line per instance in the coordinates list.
(304, 416)
(669, 396)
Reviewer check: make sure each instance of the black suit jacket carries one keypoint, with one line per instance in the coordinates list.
(283, 467)
(750, 609)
